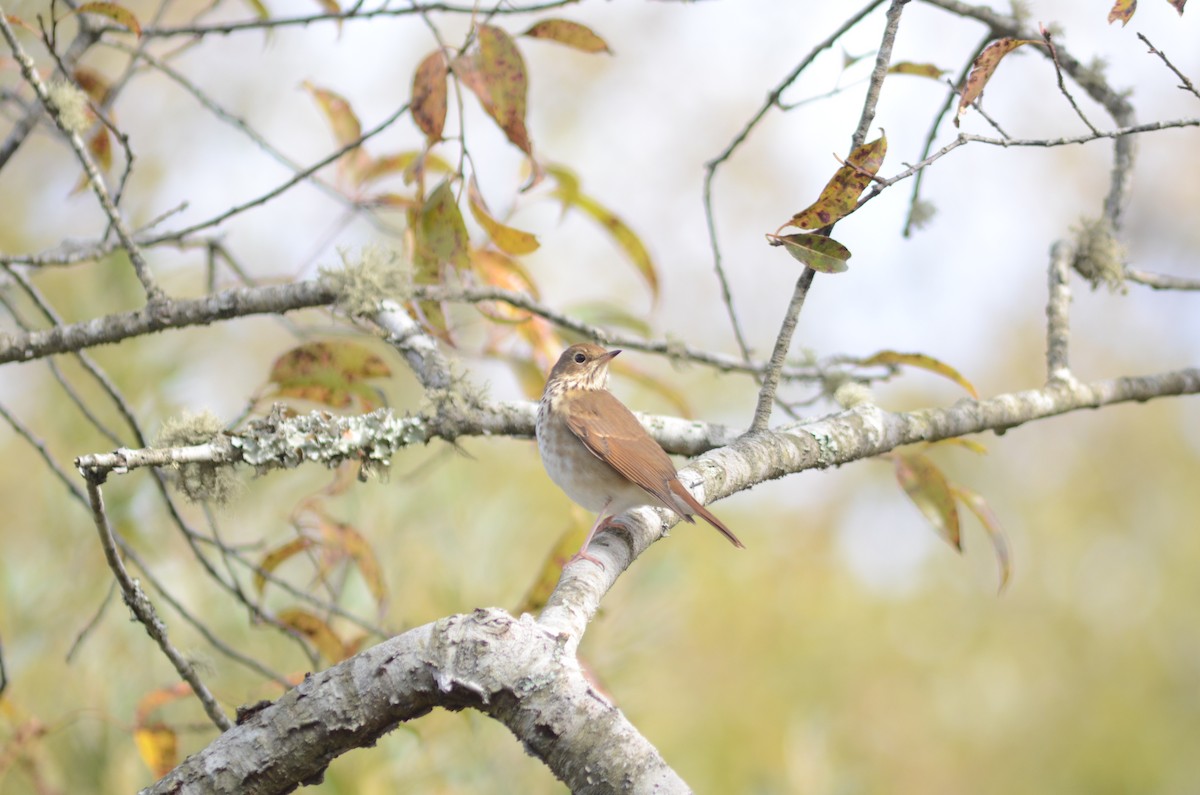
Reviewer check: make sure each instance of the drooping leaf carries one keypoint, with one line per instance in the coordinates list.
(499, 270)
(318, 632)
(551, 569)
(349, 544)
(610, 315)
(94, 84)
(929, 490)
(277, 556)
(160, 697)
(158, 745)
(346, 130)
(981, 71)
(495, 72)
(919, 69)
(330, 6)
(341, 117)
(117, 13)
(1178, 5)
(507, 239)
(568, 192)
(331, 373)
(572, 34)
(259, 8)
(429, 95)
(659, 386)
(441, 236)
(821, 253)
(840, 195)
(925, 363)
(99, 143)
(962, 441)
(1122, 10)
(979, 506)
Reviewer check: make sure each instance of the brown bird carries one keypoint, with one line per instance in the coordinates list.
(597, 451)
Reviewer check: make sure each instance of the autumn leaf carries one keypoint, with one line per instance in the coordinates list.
(158, 745)
(99, 143)
(1178, 5)
(276, 557)
(507, 239)
(495, 72)
(347, 543)
(346, 128)
(117, 13)
(316, 631)
(499, 270)
(567, 191)
(983, 512)
(929, 490)
(330, 373)
(981, 71)
(407, 164)
(259, 8)
(572, 34)
(429, 95)
(441, 235)
(925, 363)
(917, 69)
(821, 253)
(1122, 10)
(840, 195)
(94, 84)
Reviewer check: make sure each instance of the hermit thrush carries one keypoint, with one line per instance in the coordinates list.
(599, 454)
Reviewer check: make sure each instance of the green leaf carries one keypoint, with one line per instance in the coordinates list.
(821, 253)
(441, 235)
(929, 490)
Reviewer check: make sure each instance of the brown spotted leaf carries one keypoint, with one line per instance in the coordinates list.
(331, 373)
(983, 512)
(572, 34)
(981, 71)
(429, 95)
(495, 72)
(925, 363)
(822, 254)
(507, 239)
(117, 13)
(94, 84)
(840, 195)
(929, 490)
(917, 69)
(1122, 10)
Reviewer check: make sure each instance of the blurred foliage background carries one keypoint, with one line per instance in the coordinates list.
(847, 649)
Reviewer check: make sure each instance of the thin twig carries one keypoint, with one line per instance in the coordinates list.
(1062, 87)
(1186, 84)
(1160, 281)
(136, 599)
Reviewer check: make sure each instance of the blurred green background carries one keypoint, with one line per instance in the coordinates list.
(847, 649)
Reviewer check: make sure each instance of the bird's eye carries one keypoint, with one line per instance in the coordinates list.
(580, 358)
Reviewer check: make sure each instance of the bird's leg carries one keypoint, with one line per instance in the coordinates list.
(602, 521)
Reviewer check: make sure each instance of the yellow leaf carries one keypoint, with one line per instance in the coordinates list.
(925, 363)
(981, 71)
(507, 239)
(502, 271)
(840, 195)
(259, 8)
(496, 74)
(917, 69)
(568, 192)
(117, 13)
(277, 556)
(158, 745)
(429, 95)
(355, 547)
(821, 253)
(979, 506)
(319, 633)
(551, 569)
(929, 490)
(572, 34)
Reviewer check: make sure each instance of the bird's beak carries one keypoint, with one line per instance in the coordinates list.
(610, 355)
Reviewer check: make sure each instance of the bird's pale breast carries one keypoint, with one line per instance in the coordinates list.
(584, 478)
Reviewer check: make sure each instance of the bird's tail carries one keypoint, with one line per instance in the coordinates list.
(685, 496)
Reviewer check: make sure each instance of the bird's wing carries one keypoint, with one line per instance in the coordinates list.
(611, 433)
